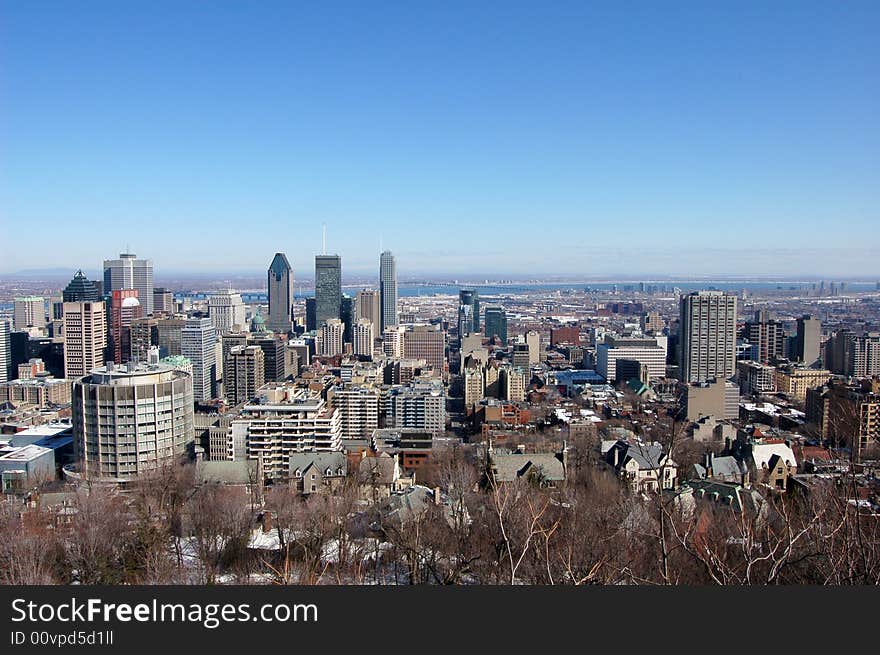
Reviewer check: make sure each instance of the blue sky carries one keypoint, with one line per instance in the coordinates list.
(512, 138)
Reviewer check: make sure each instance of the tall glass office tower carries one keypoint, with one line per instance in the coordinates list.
(328, 288)
(388, 289)
(468, 312)
(280, 286)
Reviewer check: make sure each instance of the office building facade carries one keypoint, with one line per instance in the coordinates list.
(29, 312)
(227, 311)
(125, 308)
(387, 290)
(330, 338)
(246, 373)
(468, 312)
(198, 343)
(85, 337)
(280, 289)
(5, 351)
(808, 340)
(425, 342)
(496, 324)
(369, 307)
(129, 272)
(328, 288)
(363, 338)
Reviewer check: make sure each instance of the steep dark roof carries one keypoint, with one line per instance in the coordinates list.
(80, 289)
(279, 266)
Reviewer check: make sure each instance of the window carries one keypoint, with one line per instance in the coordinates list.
(298, 473)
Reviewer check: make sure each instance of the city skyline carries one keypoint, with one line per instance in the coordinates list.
(711, 141)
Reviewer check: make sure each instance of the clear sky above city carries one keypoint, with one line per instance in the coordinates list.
(515, 138)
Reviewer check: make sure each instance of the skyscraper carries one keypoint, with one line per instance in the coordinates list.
(369, 307)
(129, 272)
(227, 311)
(346, 315)
(388, 289)
(808, 339)
(85, 337)
(5, 352)
(392, 341)
(29, 311)
(85, 330)
(767, 336)
(246, 368)
(364, 337)
(80, 289)
(125, 308)
(198, 343)
(143, 335)
(163, 301)
(330, 338)
(425, 342)
(496, 323)
(708, 336)
(274, 348)
(468, 312)
(228, 341)
(533, 339)
(853, 355)
(280, 286)
(311, 318)
(328, 288)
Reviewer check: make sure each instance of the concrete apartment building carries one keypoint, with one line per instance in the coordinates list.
(131, 419)
(246, 370)
(358, 409)
(286, 420)
(707, 340)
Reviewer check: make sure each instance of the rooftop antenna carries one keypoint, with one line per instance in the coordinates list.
(324, 239)
(380, 244)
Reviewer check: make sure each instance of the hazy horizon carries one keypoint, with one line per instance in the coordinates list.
(405, 276)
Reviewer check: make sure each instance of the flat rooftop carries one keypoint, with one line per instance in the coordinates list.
(25, 454)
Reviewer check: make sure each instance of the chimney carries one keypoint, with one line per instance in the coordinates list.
(436, 495)
(266, 520)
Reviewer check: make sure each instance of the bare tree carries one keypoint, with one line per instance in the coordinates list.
(28, 553)
(220, 523)
(99, 538)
